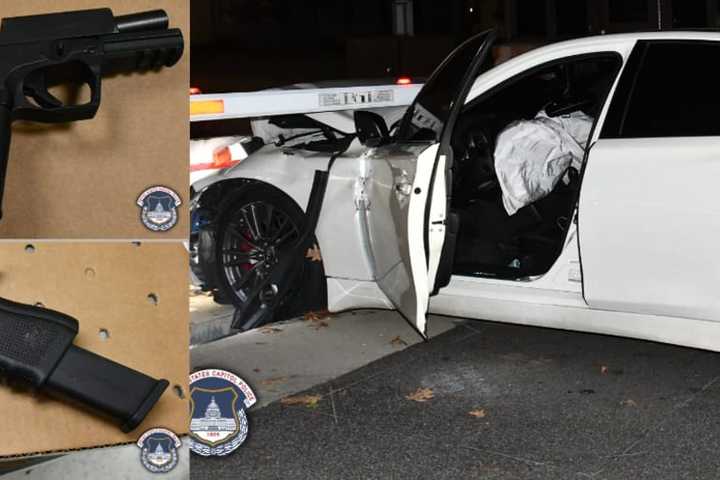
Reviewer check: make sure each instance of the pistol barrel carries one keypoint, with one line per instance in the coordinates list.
(143, 22)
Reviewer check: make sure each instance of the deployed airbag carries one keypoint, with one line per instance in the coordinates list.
(531, 156)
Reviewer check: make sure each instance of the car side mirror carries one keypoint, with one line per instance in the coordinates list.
(371, 128)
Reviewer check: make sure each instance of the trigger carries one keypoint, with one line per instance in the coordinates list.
(44, 98)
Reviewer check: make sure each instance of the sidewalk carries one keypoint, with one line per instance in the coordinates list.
(284, 358)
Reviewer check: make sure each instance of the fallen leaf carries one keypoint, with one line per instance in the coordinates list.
(628, 403)
(478, 413)
(273, 381)
(314, 254)
(316, 318)
(603, 370)
(420, 395)
(313, 316)
(310, 401)
(267, 330)
(398, 342)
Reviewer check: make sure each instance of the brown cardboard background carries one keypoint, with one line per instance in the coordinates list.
(150, 338)
(81, 180)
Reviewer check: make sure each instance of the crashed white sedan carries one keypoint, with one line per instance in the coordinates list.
(572, 187)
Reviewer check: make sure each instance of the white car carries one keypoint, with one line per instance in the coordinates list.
(419, 219)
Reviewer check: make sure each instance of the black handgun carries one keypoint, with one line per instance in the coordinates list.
(39, 52)
(36, 350)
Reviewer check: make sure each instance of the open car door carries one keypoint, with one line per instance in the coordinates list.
(410, 230)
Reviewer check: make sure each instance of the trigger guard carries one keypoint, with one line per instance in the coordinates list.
(43, 97)
(34, 101)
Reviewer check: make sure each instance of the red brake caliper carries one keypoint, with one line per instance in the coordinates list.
(245, 246)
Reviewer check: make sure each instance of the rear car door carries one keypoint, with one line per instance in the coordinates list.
(649, 214)
(406, 223)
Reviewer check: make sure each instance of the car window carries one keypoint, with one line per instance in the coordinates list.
(585, 79)
(674, 91)
(426, 117)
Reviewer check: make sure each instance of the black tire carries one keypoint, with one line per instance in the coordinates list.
(248, 218)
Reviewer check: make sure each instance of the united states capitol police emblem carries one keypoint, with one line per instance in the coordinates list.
(218, 402)
(159, 450)
(158, 208)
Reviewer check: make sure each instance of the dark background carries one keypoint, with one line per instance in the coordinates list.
(240, 45)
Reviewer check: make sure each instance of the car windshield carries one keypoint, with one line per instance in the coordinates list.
(426, 117)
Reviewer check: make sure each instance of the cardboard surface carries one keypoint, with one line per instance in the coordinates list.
(104, 285)
(81, 180)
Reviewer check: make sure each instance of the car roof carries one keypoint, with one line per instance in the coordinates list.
(699, 35)
(616, 42)
(608, 41)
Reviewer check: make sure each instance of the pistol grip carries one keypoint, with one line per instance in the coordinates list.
(33, 341)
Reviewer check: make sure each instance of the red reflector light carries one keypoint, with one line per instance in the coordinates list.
(195, 91)
(403, 81)
(221, 159)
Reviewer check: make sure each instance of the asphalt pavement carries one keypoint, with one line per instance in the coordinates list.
(500, 402)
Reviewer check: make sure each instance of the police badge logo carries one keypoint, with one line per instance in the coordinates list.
(158, 208)
(218, 402)
(159, 450)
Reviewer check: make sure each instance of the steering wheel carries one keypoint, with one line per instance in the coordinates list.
(479, 158)
(474, 146)
(477, 141)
